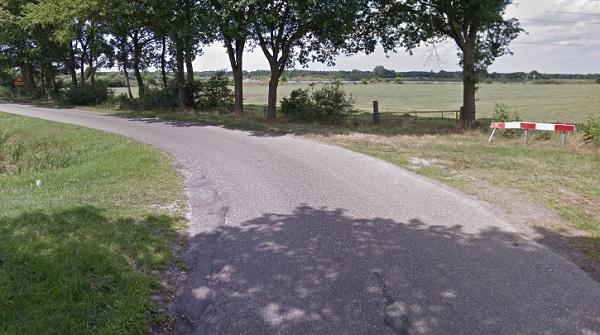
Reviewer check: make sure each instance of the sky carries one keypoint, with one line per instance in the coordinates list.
(563, 36)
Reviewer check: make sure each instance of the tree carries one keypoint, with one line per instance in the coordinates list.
(382, 72)
(478, 28)
(129, 22)
(231, 19)
(81, 23)
(189, 29)
(299, 31)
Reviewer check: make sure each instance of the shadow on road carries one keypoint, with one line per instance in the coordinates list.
(321, 271)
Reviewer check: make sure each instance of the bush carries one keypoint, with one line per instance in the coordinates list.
(591, 130)
(86, 95)
(163, 98)
(598, 81)
(112, 79)
(329, 104)
(213, 94)
(503, 114)
(298, 106)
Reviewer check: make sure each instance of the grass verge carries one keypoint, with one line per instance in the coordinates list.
(82, 252)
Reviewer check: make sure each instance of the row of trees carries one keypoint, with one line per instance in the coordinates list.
(43, 38)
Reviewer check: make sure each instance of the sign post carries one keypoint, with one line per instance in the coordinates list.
(18, 83)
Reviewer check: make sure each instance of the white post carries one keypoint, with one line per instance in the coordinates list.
(526, 137)
(492, 136)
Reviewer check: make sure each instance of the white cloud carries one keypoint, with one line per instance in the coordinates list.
(558, 41)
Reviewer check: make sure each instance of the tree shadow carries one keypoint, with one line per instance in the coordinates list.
(322, 271)
(571, 247)
(256, 126)
(80, 271)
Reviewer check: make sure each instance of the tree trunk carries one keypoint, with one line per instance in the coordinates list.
(43, 79)
(163, 61)
(126, 73)
(189, 58)
(92, 71)
(273, 85)
(49, 82)
(236, 60)
(138, 74)
(72, 65)
(82, 69)
(30, 85)
(238, 103)
(137, 59)
(468, 114)
(179, 59)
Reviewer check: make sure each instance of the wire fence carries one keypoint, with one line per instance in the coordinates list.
(404, 115)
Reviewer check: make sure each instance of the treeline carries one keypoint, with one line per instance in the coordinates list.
(118, 80)
(42, 40)
(361, 75)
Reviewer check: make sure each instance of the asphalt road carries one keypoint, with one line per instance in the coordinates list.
(289, 236)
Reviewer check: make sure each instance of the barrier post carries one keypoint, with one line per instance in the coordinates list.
(376, 115)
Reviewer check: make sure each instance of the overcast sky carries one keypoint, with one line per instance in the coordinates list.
(563, 37)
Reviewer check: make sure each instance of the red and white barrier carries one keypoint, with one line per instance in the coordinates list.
(563, 129)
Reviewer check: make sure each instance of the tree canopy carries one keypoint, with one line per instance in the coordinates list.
(44, 38)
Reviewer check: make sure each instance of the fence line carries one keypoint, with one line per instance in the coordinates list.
(377, 116)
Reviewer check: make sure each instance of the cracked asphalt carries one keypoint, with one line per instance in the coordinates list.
(289, 236)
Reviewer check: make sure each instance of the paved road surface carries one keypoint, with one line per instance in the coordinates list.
(289, 236)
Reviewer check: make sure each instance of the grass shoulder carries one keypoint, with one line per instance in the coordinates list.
(86, 228)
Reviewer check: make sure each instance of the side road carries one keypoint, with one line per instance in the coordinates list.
(293, 236)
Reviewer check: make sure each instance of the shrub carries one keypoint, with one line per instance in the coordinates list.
(213, 94)
(112, 79)
(503, 114)
(547, 82)
(598, 81)
(591, 130)
(160, 98)
(298, 106)
(86, 95)
(329, 104)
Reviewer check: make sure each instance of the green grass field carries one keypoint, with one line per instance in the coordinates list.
(569, 102)
(81, 253)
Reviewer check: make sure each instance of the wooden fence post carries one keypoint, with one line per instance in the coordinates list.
(376, 115)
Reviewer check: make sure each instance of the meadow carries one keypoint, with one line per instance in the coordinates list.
(568, 102)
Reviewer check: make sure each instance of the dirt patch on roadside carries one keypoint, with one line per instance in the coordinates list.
(535, 222)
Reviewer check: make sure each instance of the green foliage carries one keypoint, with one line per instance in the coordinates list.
(213, 94)
(591, 130)
(86, 95)
(112, 80)
(598, 81)
(382, 72)
(329, 104)
(546, 82)
(503, 114)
